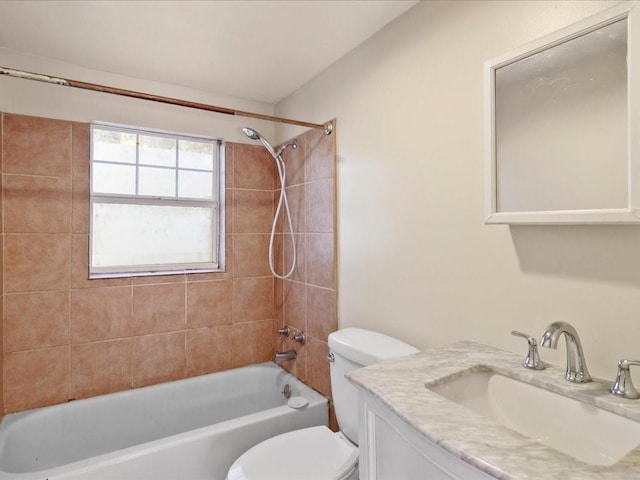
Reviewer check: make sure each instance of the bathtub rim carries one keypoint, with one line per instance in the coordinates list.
(10, 421)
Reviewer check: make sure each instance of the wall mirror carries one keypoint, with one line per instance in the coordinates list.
(562, 123)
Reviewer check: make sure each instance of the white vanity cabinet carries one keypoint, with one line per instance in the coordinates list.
(390, 449)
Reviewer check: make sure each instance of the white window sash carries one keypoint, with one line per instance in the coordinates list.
(217, 265)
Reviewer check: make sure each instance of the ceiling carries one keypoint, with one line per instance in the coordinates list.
(258, 50)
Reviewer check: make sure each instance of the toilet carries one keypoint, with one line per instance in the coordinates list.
(317, 453)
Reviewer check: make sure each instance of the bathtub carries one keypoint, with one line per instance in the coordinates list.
(187, 429)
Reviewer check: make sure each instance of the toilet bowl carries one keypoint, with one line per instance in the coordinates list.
(314, 453)
(317, 453)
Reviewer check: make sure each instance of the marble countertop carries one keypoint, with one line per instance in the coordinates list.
(503, 453)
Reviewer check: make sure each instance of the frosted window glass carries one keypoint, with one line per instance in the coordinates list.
(114, 146)
(152, 234)
(195, 184)
(113, 178)
(160, 182)
(159, 151)
(196, 155)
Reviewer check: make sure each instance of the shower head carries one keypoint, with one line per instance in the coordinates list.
(252, 134)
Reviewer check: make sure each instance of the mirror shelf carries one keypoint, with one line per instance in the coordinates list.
(562, 125)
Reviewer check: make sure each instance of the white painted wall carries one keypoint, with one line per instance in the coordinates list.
(415, 259)
(52, 101)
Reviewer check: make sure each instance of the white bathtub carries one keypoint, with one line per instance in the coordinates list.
(187, 429)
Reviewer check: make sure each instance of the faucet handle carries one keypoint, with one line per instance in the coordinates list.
(623, 386)
(532, 360)
(301, 338)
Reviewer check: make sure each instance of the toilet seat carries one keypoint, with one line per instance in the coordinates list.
(314, 453)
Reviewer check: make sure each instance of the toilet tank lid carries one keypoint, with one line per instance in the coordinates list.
(366, 347)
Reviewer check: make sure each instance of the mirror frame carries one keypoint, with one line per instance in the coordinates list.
(627, 215)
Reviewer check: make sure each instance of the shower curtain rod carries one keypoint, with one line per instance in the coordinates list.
(66, 82)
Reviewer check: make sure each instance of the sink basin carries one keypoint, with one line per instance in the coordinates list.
(584, 432)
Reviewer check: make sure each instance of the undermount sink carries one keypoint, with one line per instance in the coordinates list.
(585, 432)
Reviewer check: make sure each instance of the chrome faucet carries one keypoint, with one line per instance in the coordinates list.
(288, 355)
(623, 386)
(576, 366)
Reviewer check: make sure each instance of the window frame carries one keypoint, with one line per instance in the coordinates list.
(216, 203)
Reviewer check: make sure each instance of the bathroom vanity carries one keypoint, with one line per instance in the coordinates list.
(469, 411)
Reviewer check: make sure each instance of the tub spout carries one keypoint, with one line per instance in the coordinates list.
(288, 355)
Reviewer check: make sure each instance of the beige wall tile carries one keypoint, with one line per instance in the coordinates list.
(36, 146)
(158, 308)
(101, 367)
(126, 332)
(35, 321)
(321, 312)
(320, 155)
(299, 272)
(319, 259)
(80, 206)
(35, 378)
(209, 350)
(252, 299)
(36, 262)
(158, 358)
(252, 211)
(333, 421)
(209, 303)
(295, 305)
(253, 167)
(317, 366)
(251, 255)
(101, 313)
(252, 342)
(297, 201)
(319, 205)
(278, 300)
(278, 254)
(80, 151)
(36, 204)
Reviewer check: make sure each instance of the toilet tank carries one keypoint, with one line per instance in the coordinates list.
(354, 348)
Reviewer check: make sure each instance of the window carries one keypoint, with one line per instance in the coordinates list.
(155, 203)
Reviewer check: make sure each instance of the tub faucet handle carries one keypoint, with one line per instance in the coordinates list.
(532, 359)
(284, 331)
(301, 338)
(623, 386)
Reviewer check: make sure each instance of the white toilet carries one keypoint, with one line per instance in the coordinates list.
(317, 453)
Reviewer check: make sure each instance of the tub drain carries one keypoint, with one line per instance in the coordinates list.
(287, 391)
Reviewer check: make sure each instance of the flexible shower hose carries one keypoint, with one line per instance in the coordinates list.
(283, 200)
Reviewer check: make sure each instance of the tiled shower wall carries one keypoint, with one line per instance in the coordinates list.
(66, 337)
(307, 301)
